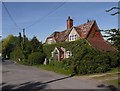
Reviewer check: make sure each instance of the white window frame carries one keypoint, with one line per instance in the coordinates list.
(69, 54)
(72, 37)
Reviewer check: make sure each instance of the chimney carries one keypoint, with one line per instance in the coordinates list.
(69, 22)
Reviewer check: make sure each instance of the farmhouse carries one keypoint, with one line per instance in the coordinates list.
(89, 31)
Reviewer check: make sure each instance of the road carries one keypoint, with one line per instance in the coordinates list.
(16, 76)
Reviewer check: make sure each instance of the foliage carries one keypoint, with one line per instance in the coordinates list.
(8, 45)
(22, 50)
(113, 35)
(16, 55)
(57, 66)
(36, 45)
(85, 59)
(36, 58)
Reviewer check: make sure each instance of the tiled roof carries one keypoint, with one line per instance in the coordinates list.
(82, 30)
(101, 44)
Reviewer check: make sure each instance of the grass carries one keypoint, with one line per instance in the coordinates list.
(55, 69)
(110, 77)
(114, 70)
(115, 82)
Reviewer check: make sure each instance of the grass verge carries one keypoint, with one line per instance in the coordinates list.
(55, 69)
(114, 82)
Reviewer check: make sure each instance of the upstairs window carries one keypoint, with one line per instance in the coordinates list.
(73, 37)
(50, 41)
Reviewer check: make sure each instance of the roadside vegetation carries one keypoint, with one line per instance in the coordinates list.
(22, 50)
(84, 59)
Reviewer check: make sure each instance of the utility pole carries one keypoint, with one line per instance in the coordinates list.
(23, 35)
(23, 45)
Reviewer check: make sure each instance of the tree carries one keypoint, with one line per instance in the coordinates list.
(36, 45)
(113, 35)
(8, 44)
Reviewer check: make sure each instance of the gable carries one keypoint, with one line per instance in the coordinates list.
(73, 33)
(96, 40)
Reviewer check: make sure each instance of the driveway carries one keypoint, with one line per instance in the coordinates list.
(16, 76)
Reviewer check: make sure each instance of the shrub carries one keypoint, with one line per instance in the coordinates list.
(115, 59)
(36, 58)
(85, 59)
(16, 55)
(102, 68)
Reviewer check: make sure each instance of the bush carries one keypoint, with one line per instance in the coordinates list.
(85, 59)
(115, 60)
(16, 55)
(36, 58)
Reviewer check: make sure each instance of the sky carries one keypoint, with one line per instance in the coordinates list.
(41, 19)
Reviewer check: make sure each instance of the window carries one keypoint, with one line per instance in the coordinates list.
(68, 54)
(50, 41)
(73, 37)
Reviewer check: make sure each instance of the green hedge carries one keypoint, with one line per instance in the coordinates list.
(85, 59)
(36, 58)
(71, 46)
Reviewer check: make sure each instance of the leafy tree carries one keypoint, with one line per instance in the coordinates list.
(8, 44)
(17, 54)
(36, 45)
(113, 35)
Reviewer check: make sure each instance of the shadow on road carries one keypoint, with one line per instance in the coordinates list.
(58, 79)
(109, 87)
(30, 86)
(27, 86)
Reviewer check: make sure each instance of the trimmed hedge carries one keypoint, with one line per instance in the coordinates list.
(36, 58)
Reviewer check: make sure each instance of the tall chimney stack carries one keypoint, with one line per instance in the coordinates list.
(69, 22)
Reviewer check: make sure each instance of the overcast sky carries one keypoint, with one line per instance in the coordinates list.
(52, 16)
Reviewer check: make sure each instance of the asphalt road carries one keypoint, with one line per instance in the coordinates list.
(16, 76)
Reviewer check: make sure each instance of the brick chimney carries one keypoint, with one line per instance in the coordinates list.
(69, 22)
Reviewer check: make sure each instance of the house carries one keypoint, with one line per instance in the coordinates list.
(60, 53)
(89, 31)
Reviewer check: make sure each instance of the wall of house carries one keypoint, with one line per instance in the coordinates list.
(50, 41)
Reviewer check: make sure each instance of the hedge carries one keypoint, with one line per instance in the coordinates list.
(36, 58)
(85, 59)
